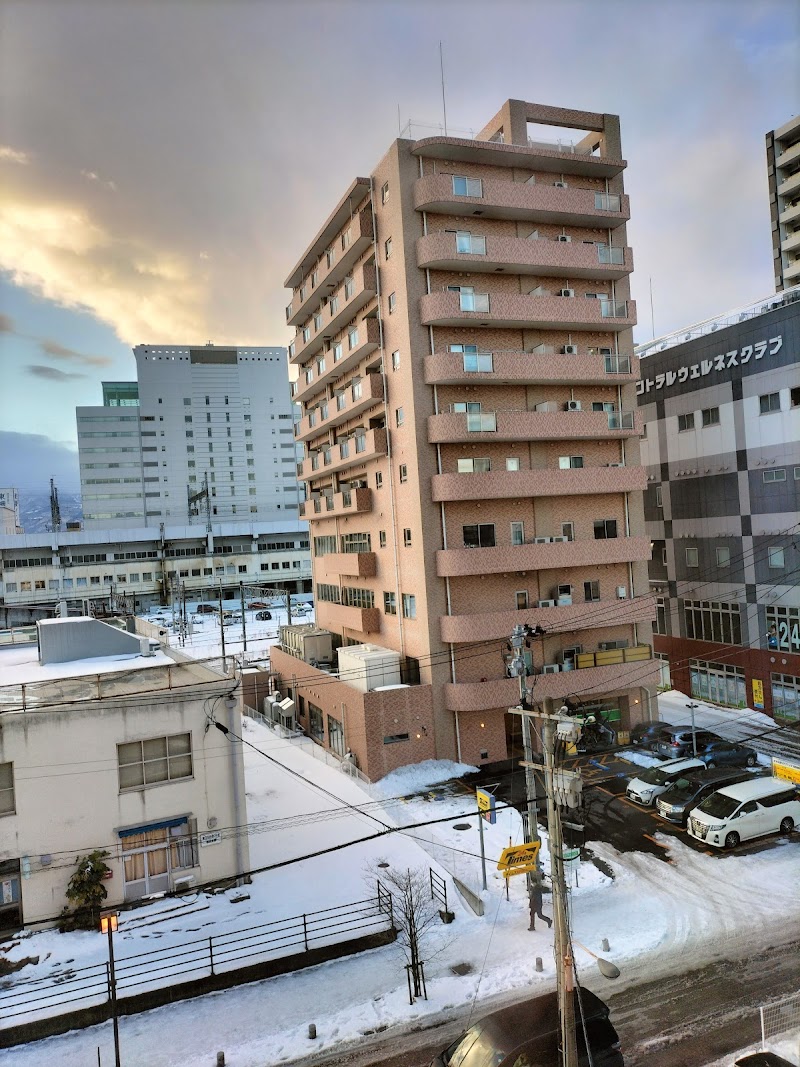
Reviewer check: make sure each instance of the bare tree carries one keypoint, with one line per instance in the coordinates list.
(416, 918)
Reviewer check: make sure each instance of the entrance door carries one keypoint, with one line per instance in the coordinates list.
(146, 863)
(10, 898)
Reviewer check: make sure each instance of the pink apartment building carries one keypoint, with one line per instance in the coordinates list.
(471, 441)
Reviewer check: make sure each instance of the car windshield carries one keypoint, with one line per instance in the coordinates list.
(656, 775)
(719, 806)
(474, 1049)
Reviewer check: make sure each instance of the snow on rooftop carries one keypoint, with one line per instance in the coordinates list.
(19, 664)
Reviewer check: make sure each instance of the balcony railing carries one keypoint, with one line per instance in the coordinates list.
(607, 202)
(474, 301)
(606, 657)
(621, 420)
(467, 243)
(608, 254)
(614, 309)
(617, 364)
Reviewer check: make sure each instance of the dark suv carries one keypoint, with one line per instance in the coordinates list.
(686, 793)
(677, 741)
(648, 734)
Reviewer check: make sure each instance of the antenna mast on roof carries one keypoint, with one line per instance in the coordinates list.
(444, 102)
(55, 510)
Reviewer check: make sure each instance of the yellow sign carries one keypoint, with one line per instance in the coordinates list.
(520, 857)
(758, 694)
(486, 806)
(785, 770)
(509, 872)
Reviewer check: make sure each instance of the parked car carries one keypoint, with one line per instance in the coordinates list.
(529, 1033)
(762, 1059)
(686, 793)
(647, 734)
(262, 616)
(257, 605)
(678, 741)
(656, 780)
(727, 753)
(232, 618)
(749, 809)
(205, 609)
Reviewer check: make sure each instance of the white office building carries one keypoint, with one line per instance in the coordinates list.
(9, 511)
(206, 436)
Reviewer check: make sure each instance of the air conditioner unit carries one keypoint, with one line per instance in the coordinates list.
(572, 405)
(560, 539)
(570, 350)
(551, 668)
(566, 292)
(546, 604)
(564, 590)
(622, 592)
(564, 238)
(541, 540)
(560, 185)
(564, 601)
(615, 464)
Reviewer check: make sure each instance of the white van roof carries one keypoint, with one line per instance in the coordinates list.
(758, 787)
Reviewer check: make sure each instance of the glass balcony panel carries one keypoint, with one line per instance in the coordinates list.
(614, 309)
(620, 420)
(485, 422)
(474, 301)
(608, 254)
(341, 401)
(606, 202)
(617, 364)
(361, 444)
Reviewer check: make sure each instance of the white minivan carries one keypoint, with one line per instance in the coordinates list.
(748, 809)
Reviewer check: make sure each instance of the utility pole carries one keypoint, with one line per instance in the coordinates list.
(244, 620)
(693, 708)
(222, 628)
(288, 608)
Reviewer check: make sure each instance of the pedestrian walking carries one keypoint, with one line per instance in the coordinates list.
(536, 901)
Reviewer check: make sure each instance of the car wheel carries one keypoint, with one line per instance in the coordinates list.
(751, 761)
(787, 825)
(711, 765)
(732, 840)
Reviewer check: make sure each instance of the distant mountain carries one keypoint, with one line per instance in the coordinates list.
(34, 509)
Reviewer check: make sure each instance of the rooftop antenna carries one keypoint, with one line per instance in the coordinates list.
(444, 102)
(55, 510)
(652, 315)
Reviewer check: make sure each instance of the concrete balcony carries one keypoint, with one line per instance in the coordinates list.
(787, 156)
(517, 255)
(590, 681)
(549, 366)
(336, 616)
(306, 299)
(514, 485)
(369, 336)
(521, 311)
(791, 241)
(339, 310)
(351, 564)
(486, 626)
(790, 185)
(792, 271)
(519, 200)
(355, 451)
(337, 506)
(790, 214)
(348, 404)
(464, 562)
(488, 426)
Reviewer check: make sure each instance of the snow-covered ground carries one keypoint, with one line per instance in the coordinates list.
(684, 913)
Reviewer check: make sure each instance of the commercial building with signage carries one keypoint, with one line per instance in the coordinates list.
(721, 406)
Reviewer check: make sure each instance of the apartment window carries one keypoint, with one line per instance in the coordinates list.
(479, 535)
(7, 801)
(395, 361)
(604, 529)
(399, 417)
(591, 591)
(521, 599)
(356, 542)
(660, 624)
(692, 557)
(190, 433)
(187, 401)
(659, 497)
(686, 421)
(403, 472)
(712, 620)
(769, 402)
(187, 418)
(306, 334)
(710, 416)
(409, 606)
(512, 463)
(568, 530)
(471, 465)
(463, 186)
(157, 760)
(390, 603)
(517, 533)
(353, 597)
(794, 397)
(776, 558)
(567, 462)
(381, 538)
(392, 302)
(387, 248)
(723, 556)
(323, 546)
(407, 538)
(774, 476)
(328, 593)
(384, 192)
(352, 338)
(378, 480)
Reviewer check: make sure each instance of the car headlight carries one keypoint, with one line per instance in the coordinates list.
(717, 826)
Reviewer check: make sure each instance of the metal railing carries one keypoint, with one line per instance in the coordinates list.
(610, 656)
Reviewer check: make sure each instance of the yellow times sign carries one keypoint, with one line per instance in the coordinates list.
(519, 857)
(786, 770)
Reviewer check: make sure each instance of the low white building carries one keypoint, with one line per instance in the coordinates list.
(117, 752)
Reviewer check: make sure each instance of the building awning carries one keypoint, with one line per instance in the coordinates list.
(160, 824)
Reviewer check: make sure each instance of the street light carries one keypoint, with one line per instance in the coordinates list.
(606, 968)
(693, 708)
(108, 924)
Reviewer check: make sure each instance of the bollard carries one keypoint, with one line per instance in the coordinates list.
(220, 1059)
(312, 1031)
(539, 964)
(606, 945)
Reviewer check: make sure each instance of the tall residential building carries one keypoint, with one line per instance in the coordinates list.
(721, 403)
(467, 385)
(9, 511)
(204, 436)
(783, 174)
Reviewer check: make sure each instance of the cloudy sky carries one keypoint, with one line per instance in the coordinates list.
(164, 162)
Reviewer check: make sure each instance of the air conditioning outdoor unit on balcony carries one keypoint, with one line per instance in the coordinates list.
(572, 405)
(615, 464)
(541, 540)
(560, 539)
(559, 185)
(551, 668)
(546, 604)
(564, 238)
(570, 350)
(566, 292)
(564, 601)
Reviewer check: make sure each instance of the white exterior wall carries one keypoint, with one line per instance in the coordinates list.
(67, 794)
(9, 511)
(109, 452)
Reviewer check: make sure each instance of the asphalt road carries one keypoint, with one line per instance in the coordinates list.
(684, 1019)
